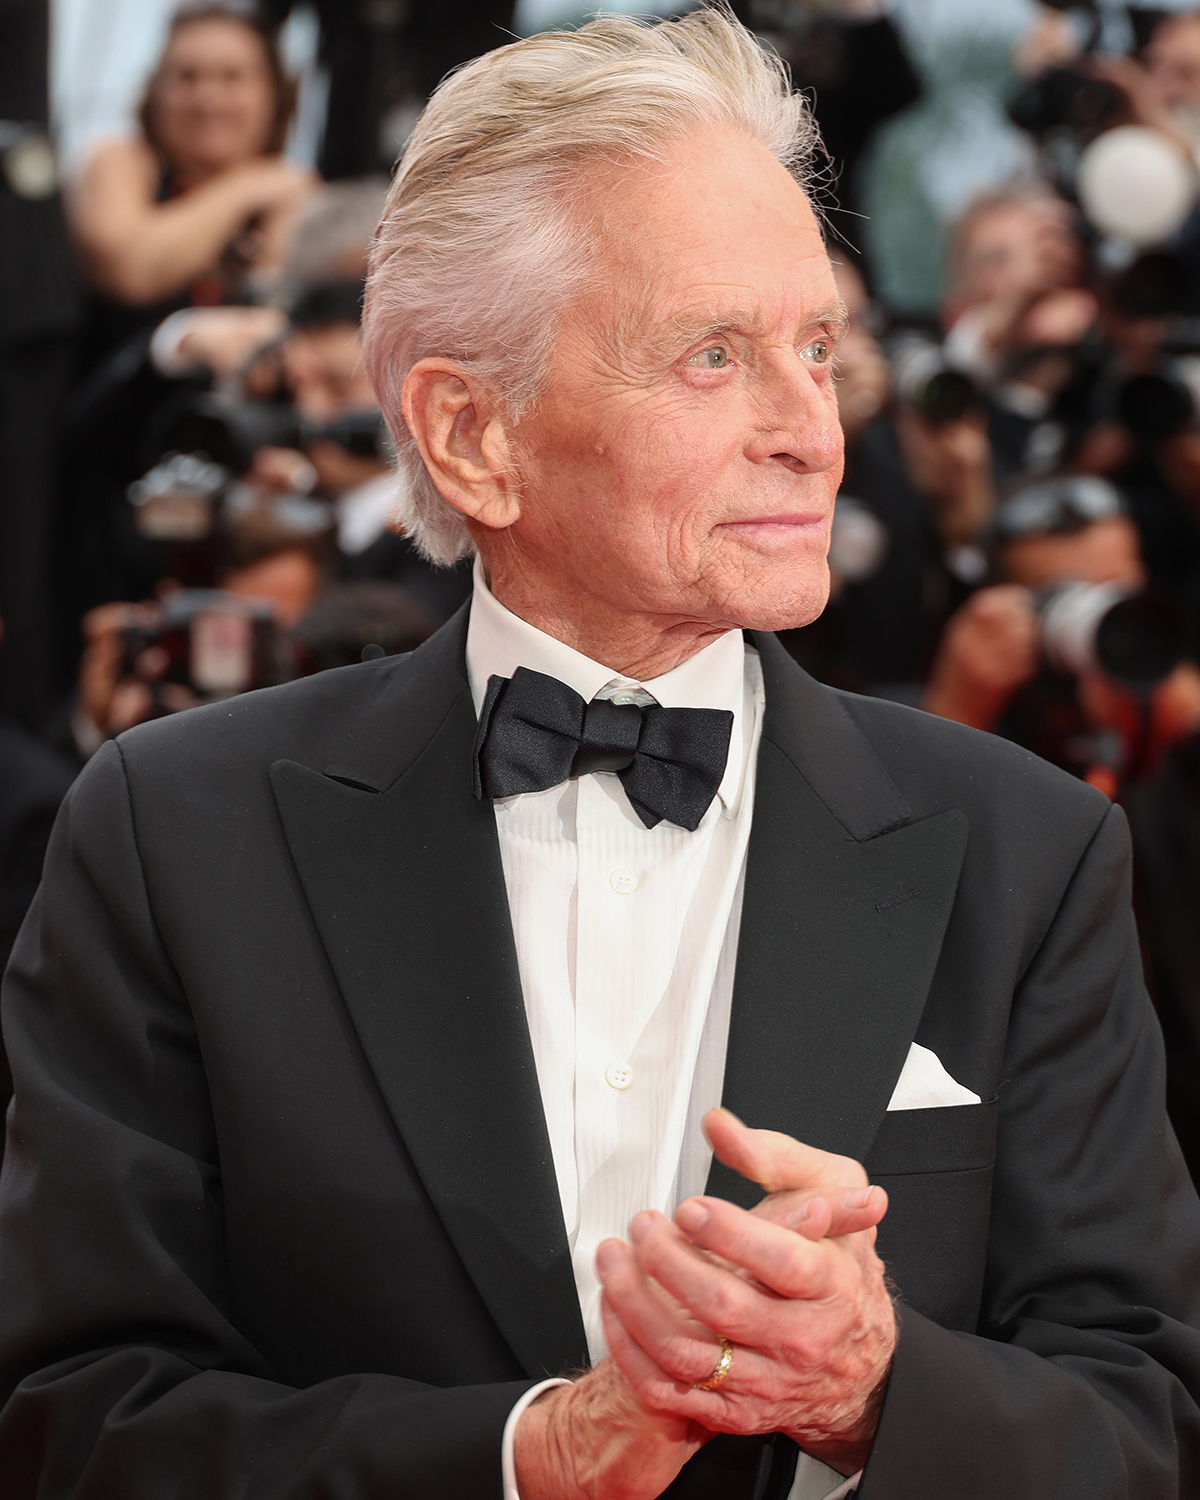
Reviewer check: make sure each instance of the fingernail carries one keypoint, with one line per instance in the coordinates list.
(857, 1199)
(640, 1228)
(691, 1216)
(799, 1215)
(608, 1253)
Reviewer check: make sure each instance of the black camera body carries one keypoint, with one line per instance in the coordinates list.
(214, 643)
(229, 431)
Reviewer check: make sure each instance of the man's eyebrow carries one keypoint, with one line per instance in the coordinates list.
(836, 319)
(710, 323)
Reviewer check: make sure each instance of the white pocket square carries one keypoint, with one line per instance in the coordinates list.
(925, 1084)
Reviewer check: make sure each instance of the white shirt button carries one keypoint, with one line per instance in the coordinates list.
(625, 698)
(618, 1075)
(624, 882)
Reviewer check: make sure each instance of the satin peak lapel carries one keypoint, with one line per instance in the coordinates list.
(845, 909)
(403, 877)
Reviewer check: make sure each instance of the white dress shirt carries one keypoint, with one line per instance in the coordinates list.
(626, 940)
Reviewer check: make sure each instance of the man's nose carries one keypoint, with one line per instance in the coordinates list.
(798, 424)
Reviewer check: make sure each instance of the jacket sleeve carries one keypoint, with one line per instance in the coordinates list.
(1083, 1380)
(120, 1367)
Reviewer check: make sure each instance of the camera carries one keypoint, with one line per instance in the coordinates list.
(214, 643)
(1135, 636)
(938, 391)
(1069, 99)
(229, 431)
(224, 428)
(191, 508)
(177, 500)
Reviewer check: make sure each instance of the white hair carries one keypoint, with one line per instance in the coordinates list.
(478, 251)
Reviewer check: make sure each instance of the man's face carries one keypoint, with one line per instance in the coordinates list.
(1173, 59)
(684, 460)
(324, 371)
(1017, 250)
(325, 375)
(1104, 552)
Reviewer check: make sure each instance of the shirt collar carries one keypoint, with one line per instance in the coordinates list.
(498, 642)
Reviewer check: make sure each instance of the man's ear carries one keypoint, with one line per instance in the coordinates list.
(461, 434)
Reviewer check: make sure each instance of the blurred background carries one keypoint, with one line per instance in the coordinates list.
(196, 485)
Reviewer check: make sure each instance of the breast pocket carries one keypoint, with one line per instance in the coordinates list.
(936, 1165)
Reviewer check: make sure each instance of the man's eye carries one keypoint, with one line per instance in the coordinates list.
(715, 358)
(817, 353)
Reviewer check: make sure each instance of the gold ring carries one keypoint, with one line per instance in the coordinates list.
(724, 1364)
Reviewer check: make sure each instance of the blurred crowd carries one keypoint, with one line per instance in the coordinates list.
(197, 482)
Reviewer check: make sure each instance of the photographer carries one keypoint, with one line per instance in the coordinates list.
(341, 450)
(1142, 431)
(1021, 322)
(1163, 87)
(123, 420)
(1000, 667)
(143, 661)
(916, 500)
(281, 404)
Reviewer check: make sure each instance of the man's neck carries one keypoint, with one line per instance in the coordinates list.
(639, 646)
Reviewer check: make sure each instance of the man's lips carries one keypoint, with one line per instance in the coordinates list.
(795, 521)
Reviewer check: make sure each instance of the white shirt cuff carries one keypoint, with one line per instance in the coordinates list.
(817, 1481)
(508, 1466)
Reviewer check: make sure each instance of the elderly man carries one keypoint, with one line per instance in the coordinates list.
(363, 1030)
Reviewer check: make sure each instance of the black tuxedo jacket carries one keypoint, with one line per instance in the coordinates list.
(278, 1216)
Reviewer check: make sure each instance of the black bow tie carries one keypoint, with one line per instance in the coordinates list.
(535, 732)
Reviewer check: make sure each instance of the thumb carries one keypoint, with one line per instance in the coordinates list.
(775, 1161)
(831, 1194)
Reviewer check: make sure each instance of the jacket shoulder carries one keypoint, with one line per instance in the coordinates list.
(937, 763)
(275, 722)
(394, 701)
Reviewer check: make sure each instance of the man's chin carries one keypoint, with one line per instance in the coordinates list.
(785, 607)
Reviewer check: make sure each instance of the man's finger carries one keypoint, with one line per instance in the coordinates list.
(825, 1215)
(661, 1393)
(720, 1299)
(682, 1348)
(777, 1162)
(777, 1260)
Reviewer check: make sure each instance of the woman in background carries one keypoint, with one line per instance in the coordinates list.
(196, 209)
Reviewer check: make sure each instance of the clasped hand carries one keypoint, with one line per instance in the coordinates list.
(794, 1285)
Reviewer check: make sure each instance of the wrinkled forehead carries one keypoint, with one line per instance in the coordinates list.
(718, 234)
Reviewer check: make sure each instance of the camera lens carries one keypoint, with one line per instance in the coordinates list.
(1152, 407)
(1140, 640)
(946, 397)
(1136, 638)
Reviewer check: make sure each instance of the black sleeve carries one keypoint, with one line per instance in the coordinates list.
(122, 1371)
(1083, 1381)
